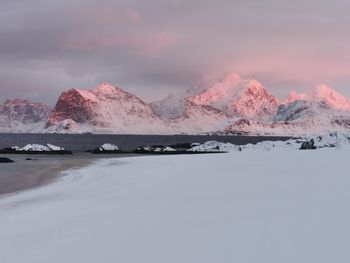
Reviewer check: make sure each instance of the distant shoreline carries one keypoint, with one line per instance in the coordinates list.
(78, 143)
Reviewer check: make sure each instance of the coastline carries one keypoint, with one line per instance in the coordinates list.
(189, 207)
(27, 174)
(44, 169)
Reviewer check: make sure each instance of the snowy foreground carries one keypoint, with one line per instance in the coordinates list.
(277, 205)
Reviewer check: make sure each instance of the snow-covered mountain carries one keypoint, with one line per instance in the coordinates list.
(299, 117)
(303, 110)
(17, 115)
(239, 97)
(199, 118)
(322, 93)
(228, 105)
(175, 105)
(103, 109)
(172, 107)
(230, 94)
(108, 109)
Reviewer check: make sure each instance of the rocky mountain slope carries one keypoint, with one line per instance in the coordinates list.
(18, 115)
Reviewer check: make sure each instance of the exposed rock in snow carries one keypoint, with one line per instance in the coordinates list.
(308, 145)
(228, 147)
(212, 146)
(109, 147)
(35, 149)
(155, 148)
(314, 142)
(168, 149)
(38, 148)
(54, 147)
(329, 140)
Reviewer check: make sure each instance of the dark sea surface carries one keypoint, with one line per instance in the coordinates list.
(84, 142)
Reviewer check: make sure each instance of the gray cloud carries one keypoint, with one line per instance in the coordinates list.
(155, 47)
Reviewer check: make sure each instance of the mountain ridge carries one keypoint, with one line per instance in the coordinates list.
(229, 105)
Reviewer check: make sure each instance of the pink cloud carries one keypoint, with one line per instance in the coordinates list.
(110, 17)
(147, 44)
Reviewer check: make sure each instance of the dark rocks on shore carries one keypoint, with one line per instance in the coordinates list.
(167, 150)
(183, 146)
(99, 151)
(6, 160)
(154, 149)
(308, 145)
(11, 151)
(15, 151)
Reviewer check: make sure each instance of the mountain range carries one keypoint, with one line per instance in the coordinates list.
(228, 105)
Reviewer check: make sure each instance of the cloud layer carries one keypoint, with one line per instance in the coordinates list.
(155, 47)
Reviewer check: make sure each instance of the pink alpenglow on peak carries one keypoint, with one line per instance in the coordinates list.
(230, 105)
(103, 107)
(293, 96)
(322, 93)
(239, 97)
(108, 109)
(219, 93)
(105, 87)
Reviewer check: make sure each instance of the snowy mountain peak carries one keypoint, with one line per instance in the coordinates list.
(326, 93)
(293, 96)
(103, 107)
(255, 87)
(231, 79)
(219, 94)
(105, 88)
(239, 97)
(322, 93)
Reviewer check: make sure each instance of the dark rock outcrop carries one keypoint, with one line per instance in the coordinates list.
(308, 145)
(6, 160)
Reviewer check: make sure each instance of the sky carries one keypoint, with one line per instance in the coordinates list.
(156, 47)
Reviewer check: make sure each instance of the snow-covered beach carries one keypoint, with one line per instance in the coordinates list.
(256, 205)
